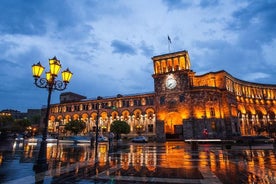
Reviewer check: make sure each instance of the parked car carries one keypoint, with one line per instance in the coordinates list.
(66, 140)
(38, 138)
(140, 139)
(253, 139)
(19, 137)
(102, 139)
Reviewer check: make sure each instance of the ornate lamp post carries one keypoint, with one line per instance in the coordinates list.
(50, 83)
(97, 133)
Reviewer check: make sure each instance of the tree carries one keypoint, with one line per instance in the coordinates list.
(119, 127)
(75, 126)
(20, 125)
(35, 120)
(5, 123)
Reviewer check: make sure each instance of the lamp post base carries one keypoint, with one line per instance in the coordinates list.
(41, 164)
(40, 167)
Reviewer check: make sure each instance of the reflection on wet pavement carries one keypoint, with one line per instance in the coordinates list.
(170, 162)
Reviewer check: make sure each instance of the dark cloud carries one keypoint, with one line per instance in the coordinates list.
(172, 5)
(255, 22)
(32, 17)
(208, 3)
(79, 34)
(122, 47)
(146, 49)
(240, 63)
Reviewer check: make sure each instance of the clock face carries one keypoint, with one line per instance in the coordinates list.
(170, 82)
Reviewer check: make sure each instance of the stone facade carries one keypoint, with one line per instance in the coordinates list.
(183, 105)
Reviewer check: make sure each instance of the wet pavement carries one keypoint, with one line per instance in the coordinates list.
(170, 162)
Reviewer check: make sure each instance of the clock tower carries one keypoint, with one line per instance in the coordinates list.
(173, 78)
(172, 73)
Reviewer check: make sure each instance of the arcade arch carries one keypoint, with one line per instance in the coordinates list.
(173, 124)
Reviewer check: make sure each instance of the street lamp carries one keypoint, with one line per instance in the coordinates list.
(97, 133)
(98, 106)
(50, 83)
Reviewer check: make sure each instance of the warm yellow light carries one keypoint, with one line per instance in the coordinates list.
(66, 75)
(37, 70)
(55, 66)
(49, 76)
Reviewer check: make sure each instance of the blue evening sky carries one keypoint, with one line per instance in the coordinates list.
(108, 44)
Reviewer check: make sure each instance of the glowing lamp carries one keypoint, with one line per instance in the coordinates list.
(49, 76)
(50, 84)
(55, 66)
(37, 70)
(66, 75)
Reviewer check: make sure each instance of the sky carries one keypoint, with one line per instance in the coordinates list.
(108, 44)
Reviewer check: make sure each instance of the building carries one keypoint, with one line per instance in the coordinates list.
(15, 114)
(183, 104)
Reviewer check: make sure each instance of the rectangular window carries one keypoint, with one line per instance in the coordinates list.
(77, 108)
(85, 107)
(68, 109)
(125, 103)
(150, 128)
(149, 101)
(162, 100)
(94, 106)
(181, 98)
(137, 102)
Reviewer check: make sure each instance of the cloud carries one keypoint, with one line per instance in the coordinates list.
(109, 46)
(122, 47)
(177, 4)
(256, 23)
(209, 3)
(147, 50)
(255, 76)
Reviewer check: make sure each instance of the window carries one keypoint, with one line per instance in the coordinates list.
(77, 108)
(150, 127)
(162, 100)
(94, 106)
(149, 101)
(84, 107)
(137, 102)
(181, 98)
(125, 103)
(68, 109)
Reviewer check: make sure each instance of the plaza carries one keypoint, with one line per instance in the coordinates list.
(169, 162)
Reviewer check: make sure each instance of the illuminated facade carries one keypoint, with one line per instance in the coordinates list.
(183, 105)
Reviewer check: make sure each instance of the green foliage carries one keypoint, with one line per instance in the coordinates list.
(119, 127)
(20, 125)
(35, 119)
(75, 126)
(5, 122)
